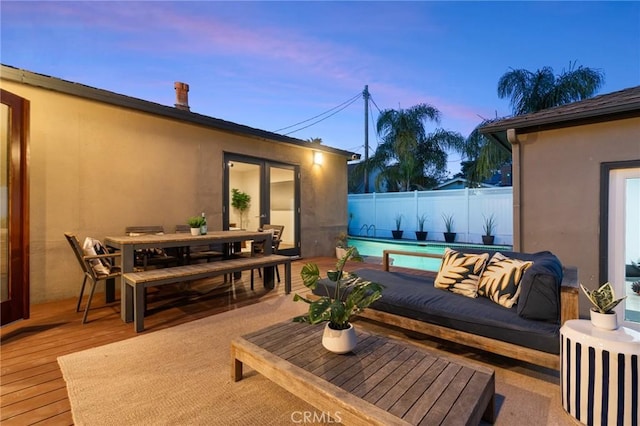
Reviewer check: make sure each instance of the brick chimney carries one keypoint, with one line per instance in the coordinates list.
(182, 95)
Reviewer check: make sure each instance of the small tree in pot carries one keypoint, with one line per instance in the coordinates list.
(240, 201)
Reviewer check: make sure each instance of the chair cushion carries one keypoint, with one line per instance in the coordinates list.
(501, 278)
(460, 272)
(92, 247)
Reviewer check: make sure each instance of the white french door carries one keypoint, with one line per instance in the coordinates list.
(624, 240)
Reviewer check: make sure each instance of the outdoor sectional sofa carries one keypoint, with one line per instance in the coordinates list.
(528, 331)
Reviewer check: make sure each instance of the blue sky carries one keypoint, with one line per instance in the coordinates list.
(270, 65)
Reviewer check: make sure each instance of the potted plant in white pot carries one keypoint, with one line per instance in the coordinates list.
(351, 296)
(421, 234)
(397, 233)
(603, 300)
(342, 244)
(195, 223)
(449, 235)
(489, 226)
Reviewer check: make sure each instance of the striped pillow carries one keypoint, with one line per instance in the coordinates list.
(460, 272)
(500, 281)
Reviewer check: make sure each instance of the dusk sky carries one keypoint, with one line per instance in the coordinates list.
(270, 65)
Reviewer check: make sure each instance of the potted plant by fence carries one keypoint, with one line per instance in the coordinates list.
(489, 226)
(195, 223)
(397, 233)
(421, 234)
(449, 235)
(603, 300)
(351, 295)
(241, 202)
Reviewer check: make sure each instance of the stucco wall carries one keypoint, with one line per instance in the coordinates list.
(97, 168)
(560, 190)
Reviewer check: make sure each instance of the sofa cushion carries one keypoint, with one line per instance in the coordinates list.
(540, 289)
(501, 278)
(460, 272)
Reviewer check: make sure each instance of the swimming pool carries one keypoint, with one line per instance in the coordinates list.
(375, 246)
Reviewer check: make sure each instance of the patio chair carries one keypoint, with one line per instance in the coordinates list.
(206, 252)
(151, 257)
(276, 239)
(90, 272)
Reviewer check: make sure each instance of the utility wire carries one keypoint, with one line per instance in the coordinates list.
(330, 115)
(349, 102)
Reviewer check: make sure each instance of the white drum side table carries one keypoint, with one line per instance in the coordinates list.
(599, 373)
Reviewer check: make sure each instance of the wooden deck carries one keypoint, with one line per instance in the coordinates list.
(32, 390)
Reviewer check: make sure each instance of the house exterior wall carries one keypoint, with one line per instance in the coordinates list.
(560, 190)
(96, 168)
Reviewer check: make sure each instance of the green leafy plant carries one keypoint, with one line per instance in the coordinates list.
(421, 220)
(195, 221)
(240, 201)
(342, 240)
(489, 225)
(398, 221)
(448, 222)
(603, 298)
(352, 294)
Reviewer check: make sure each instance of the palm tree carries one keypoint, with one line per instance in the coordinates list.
(534, 91)
(410, 158)
(529, 92)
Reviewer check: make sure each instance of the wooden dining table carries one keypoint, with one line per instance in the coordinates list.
(128, 245)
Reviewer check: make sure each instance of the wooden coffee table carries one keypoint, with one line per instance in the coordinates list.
(384, 381)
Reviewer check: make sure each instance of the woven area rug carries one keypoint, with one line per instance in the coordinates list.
(181, 375)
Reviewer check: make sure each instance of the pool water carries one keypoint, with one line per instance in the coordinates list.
(375, 246)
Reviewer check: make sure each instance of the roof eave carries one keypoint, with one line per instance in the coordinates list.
(87, 92)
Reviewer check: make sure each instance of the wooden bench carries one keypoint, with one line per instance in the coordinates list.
(568, 306)
(137, 282)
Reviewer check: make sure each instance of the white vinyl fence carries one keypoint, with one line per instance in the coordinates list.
(373, 215)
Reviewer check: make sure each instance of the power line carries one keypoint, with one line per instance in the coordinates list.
(349, 101)
(316, 122)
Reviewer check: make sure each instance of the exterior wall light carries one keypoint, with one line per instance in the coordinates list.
(317, 158)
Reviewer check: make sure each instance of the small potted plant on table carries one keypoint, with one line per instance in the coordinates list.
(351, 296)
(195, 223)
(603, 300)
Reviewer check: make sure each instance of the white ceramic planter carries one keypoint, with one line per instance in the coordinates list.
(339, 341)
(340, 252)
(195, 231)
(604, 321)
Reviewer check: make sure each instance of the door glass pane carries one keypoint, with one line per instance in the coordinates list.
(245, 177)
(4, 203)
(282, 208)
(632, 248)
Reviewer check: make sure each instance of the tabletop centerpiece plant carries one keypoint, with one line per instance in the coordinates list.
(351, 295)
(342, 244)
(195, 223)
(603, 300)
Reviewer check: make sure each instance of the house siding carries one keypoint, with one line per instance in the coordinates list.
(560, 190)
(96, 168)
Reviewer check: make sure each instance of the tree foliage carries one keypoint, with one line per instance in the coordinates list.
(408, 157)
(534, 91)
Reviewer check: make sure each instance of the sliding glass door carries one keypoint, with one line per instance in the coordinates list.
(273, 190)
